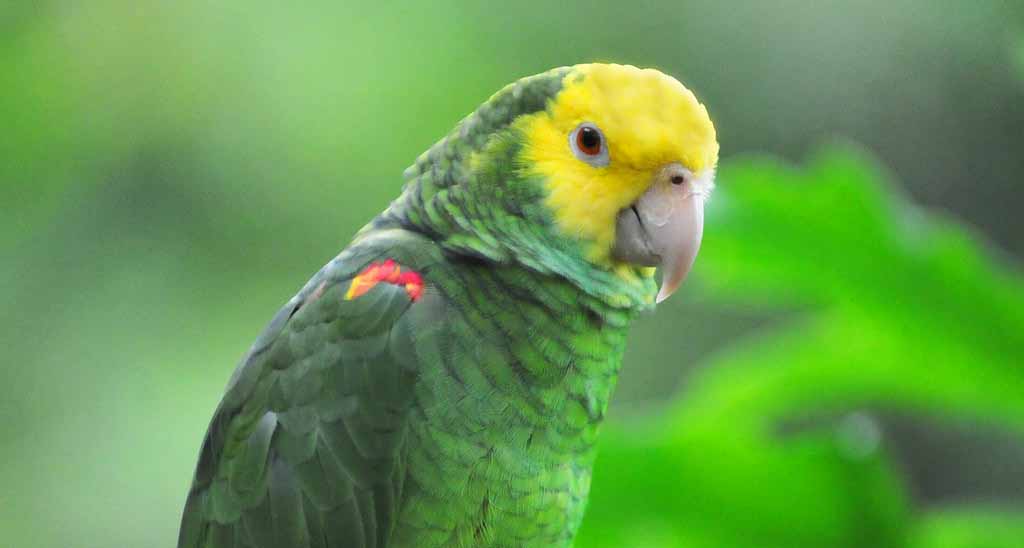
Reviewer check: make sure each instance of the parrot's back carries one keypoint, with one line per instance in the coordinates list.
(408, 397)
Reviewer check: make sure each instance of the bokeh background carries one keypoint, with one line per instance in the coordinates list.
(843, 369)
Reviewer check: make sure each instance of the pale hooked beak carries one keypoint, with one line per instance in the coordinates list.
(664, 226)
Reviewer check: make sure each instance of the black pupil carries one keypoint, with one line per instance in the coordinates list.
(590, 139)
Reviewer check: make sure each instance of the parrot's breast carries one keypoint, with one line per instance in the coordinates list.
(515, 381)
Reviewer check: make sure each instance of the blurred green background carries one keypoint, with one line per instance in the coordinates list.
(843, 369)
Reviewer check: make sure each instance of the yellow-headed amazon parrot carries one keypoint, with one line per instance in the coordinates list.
(442, 380)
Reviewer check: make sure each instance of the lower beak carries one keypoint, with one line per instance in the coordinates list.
(664, 226)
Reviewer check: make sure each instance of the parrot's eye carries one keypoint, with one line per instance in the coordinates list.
(587, 143)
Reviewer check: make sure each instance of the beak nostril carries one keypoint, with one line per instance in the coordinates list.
(678, 179)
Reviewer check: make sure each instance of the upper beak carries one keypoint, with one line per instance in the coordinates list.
(664, 226)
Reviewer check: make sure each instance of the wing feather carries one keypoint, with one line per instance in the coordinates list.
(305, 448)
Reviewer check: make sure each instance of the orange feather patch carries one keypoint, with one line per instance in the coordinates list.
(389, 272)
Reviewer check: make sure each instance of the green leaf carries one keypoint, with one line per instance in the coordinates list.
(904, 308)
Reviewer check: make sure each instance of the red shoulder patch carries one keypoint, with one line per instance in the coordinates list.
(388, 272)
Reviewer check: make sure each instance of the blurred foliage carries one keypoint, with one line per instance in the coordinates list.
(171, 172)
(1017, 51)
(970, 529)
(896, 309)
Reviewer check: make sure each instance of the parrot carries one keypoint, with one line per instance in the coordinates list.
(441, 382)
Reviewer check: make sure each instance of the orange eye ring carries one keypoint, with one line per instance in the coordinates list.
(588, 141)
(589, 145)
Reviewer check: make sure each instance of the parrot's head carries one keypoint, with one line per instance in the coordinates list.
(595, 172)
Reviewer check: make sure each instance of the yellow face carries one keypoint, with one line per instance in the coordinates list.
(646, 119)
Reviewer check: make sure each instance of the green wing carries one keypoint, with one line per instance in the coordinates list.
(305, 448)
